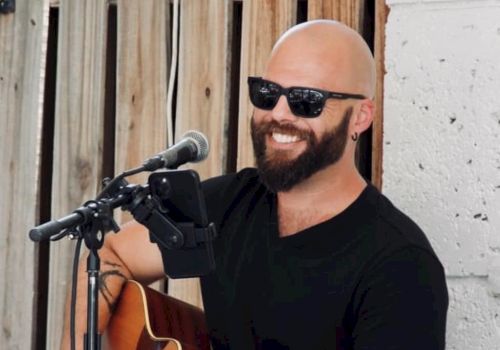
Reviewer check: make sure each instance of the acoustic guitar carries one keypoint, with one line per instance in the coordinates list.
(147, 319)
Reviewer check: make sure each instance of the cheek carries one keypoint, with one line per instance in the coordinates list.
(329, 120)
(259, 115)
(317, 127)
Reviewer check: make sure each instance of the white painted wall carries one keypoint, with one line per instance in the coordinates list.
(442, 148)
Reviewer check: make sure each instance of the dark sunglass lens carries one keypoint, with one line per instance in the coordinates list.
(306, 102)
(264, 95)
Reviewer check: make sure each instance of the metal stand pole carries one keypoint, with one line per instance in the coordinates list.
(92, 340)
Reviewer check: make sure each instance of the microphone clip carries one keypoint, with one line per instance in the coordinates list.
(153, 163)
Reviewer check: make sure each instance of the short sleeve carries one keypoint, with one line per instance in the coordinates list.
(401, 303)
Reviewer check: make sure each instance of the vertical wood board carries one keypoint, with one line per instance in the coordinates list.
(203, 77)
(381, 13)
(141, 97)
(263, 23)
(203, 96)
(77, 135)
(141, 125)
(349, 12)
(21, 90)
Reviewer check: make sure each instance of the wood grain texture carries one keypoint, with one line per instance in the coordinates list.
(22, 60)
(263, 23)
(203, 96)
(146, 319)
(381, 13)
(141, 124)
(203, 78)
(78, 134)
(349, 12)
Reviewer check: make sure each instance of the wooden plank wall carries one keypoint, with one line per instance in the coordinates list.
(22, 53)
(111, 112)
(202, 94)
(381, 13)
(349, 12)
(142, 73)
(78, 134)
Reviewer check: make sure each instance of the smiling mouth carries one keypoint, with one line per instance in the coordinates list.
(285, 138)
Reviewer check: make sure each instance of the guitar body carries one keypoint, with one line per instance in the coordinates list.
(147, 319)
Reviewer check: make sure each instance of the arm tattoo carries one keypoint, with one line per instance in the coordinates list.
(103, 287)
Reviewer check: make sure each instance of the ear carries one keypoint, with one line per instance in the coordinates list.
(364, 118)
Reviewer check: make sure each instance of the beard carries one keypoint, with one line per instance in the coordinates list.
(278, 171)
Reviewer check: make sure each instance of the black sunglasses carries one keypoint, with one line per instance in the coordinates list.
(303, 101)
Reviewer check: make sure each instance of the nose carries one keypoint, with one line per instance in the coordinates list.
(281, 112)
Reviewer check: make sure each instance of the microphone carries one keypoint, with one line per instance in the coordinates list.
(193, 147)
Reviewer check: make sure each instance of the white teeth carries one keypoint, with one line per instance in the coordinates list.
(284, 138)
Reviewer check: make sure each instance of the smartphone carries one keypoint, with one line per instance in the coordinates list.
(180, 199)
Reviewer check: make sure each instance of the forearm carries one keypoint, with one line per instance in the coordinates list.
(113, 274)
(127, 255)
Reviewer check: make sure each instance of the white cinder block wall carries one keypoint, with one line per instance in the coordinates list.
(442, 148)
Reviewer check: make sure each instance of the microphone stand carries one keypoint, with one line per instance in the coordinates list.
(101, 221)
(90, 222)
(95, 218)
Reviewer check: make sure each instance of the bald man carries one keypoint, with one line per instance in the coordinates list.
(308, 254)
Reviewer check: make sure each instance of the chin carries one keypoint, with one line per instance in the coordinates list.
(283, 155)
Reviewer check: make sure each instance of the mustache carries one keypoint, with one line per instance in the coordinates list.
(282, 128)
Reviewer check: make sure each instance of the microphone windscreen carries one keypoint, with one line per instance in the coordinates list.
(201, 143)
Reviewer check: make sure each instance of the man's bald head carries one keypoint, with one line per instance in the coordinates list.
(325, 53)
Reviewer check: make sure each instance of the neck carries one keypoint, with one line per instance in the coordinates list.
(318, 198)
(335, 179)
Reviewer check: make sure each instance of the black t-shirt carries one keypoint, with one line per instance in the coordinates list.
(365, 279)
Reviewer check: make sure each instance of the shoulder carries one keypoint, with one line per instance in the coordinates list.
(224, 185)
(229, 192)
(410, 281)
(397, 240)
(389, 236)
(401, 275)
(396, 228)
